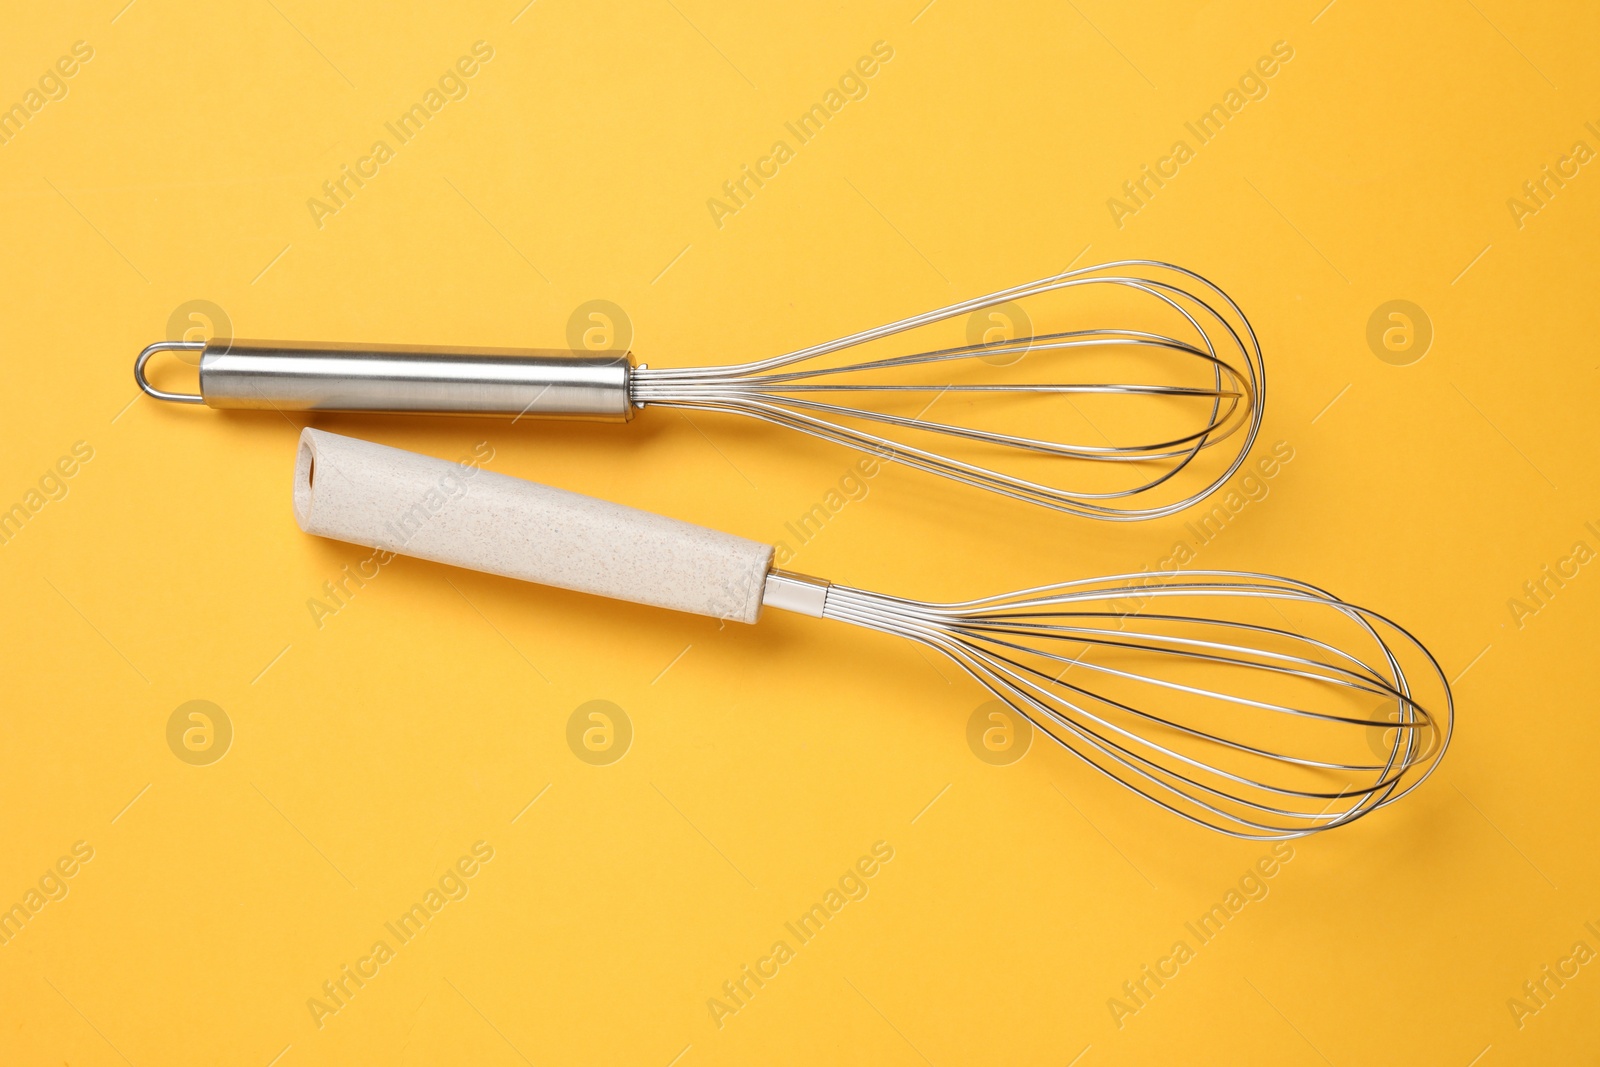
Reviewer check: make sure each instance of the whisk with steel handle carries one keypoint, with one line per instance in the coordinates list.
(1257, 706)
(1119, 422)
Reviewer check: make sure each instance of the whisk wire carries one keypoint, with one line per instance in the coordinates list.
(1329, 673)
(785, 390)
(1267, 787)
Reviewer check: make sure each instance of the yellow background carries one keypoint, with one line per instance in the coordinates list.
(370, 753)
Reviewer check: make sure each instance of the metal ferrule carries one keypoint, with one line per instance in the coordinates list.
(416, 379)
(799, 593)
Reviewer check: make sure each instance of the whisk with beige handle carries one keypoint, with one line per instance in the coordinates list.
(1257, 706)
(1022, 394)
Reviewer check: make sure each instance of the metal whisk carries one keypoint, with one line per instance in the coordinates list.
(1106, 422)
(1258, 706)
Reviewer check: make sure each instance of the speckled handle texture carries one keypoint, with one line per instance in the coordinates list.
(402, 502)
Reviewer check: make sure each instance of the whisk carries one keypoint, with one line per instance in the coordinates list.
(1257, 706)
(1108, 422)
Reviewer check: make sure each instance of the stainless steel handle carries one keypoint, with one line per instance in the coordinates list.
(418, 379)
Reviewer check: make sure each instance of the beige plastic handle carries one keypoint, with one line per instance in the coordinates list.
(416, 505)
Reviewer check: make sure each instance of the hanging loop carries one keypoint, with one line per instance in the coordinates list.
(166, 346)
